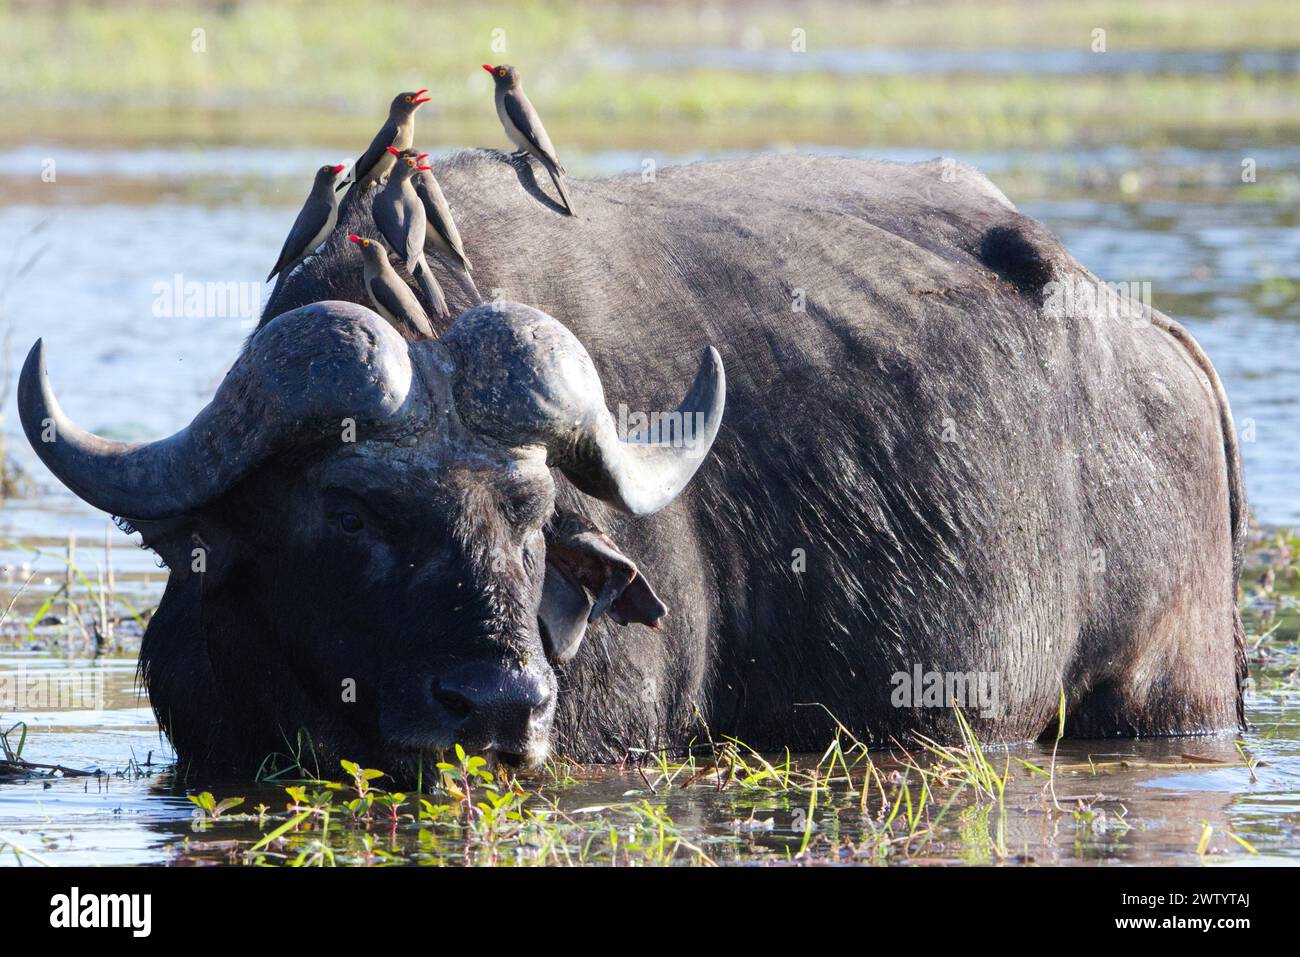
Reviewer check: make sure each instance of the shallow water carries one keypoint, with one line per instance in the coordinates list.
(1116, 802)
(1222, 256)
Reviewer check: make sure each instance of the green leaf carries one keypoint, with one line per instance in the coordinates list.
(226, 805)
(1242, 841)
(286, 826)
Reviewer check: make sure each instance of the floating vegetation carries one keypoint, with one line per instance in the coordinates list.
(13, 766)
(925, 804)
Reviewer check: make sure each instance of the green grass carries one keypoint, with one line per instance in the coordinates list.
(896, 803)
(925, 804)
(322, 72)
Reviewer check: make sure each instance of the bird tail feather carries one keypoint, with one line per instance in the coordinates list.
(558, 179)
(432, 291)
(478, 296)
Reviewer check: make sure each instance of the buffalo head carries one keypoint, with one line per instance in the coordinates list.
(362, 534)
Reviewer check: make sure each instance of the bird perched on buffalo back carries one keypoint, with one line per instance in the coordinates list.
(391, 297)
(315, 222)
(398, 132)
(440, 228)
(399, 214)
(524, 126)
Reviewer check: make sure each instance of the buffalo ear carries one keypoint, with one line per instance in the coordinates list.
(563, 613)
(185, 545)
(586, 577)
(168, 538)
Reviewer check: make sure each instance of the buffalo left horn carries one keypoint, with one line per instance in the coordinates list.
(523, 378)
(301, 376)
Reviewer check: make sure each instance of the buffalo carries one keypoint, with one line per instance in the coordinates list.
(931, 461)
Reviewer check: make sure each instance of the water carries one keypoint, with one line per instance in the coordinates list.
(1221, 255)
(1127, 802)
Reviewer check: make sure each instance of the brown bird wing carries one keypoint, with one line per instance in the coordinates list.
(383, 139)
(400, 303)
(439, 213)
(525, 118)
(400, 218)
(310, 219)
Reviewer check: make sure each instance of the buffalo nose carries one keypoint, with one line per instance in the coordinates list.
(494, 708)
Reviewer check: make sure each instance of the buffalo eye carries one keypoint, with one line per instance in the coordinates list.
(350, 522)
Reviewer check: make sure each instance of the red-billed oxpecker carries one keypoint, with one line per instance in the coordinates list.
(391, 297)
(315, 222)
(398, 132)
(399, 214)
(440, 228)
(524, 126)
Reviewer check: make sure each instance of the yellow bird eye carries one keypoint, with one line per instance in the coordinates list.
(408, 99)
(365, 242)
(501, 72)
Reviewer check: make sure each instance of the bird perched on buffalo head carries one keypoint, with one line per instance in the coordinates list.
(315, 222)
(391, 297)
(440, 228)
(524, 126)
(399, 214)
(398, 132)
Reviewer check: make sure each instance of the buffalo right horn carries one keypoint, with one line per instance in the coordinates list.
(299, 378)
(523, 378)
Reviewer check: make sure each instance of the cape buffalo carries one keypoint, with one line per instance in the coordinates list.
(931, 462)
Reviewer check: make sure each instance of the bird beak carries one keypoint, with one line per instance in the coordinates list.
(338, 169)
(420, 97)
(422, 156)
(353, 238)
(486, 67)
(394, 150)
(424, 167)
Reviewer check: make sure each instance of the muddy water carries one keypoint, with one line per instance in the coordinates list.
(1220, 255)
